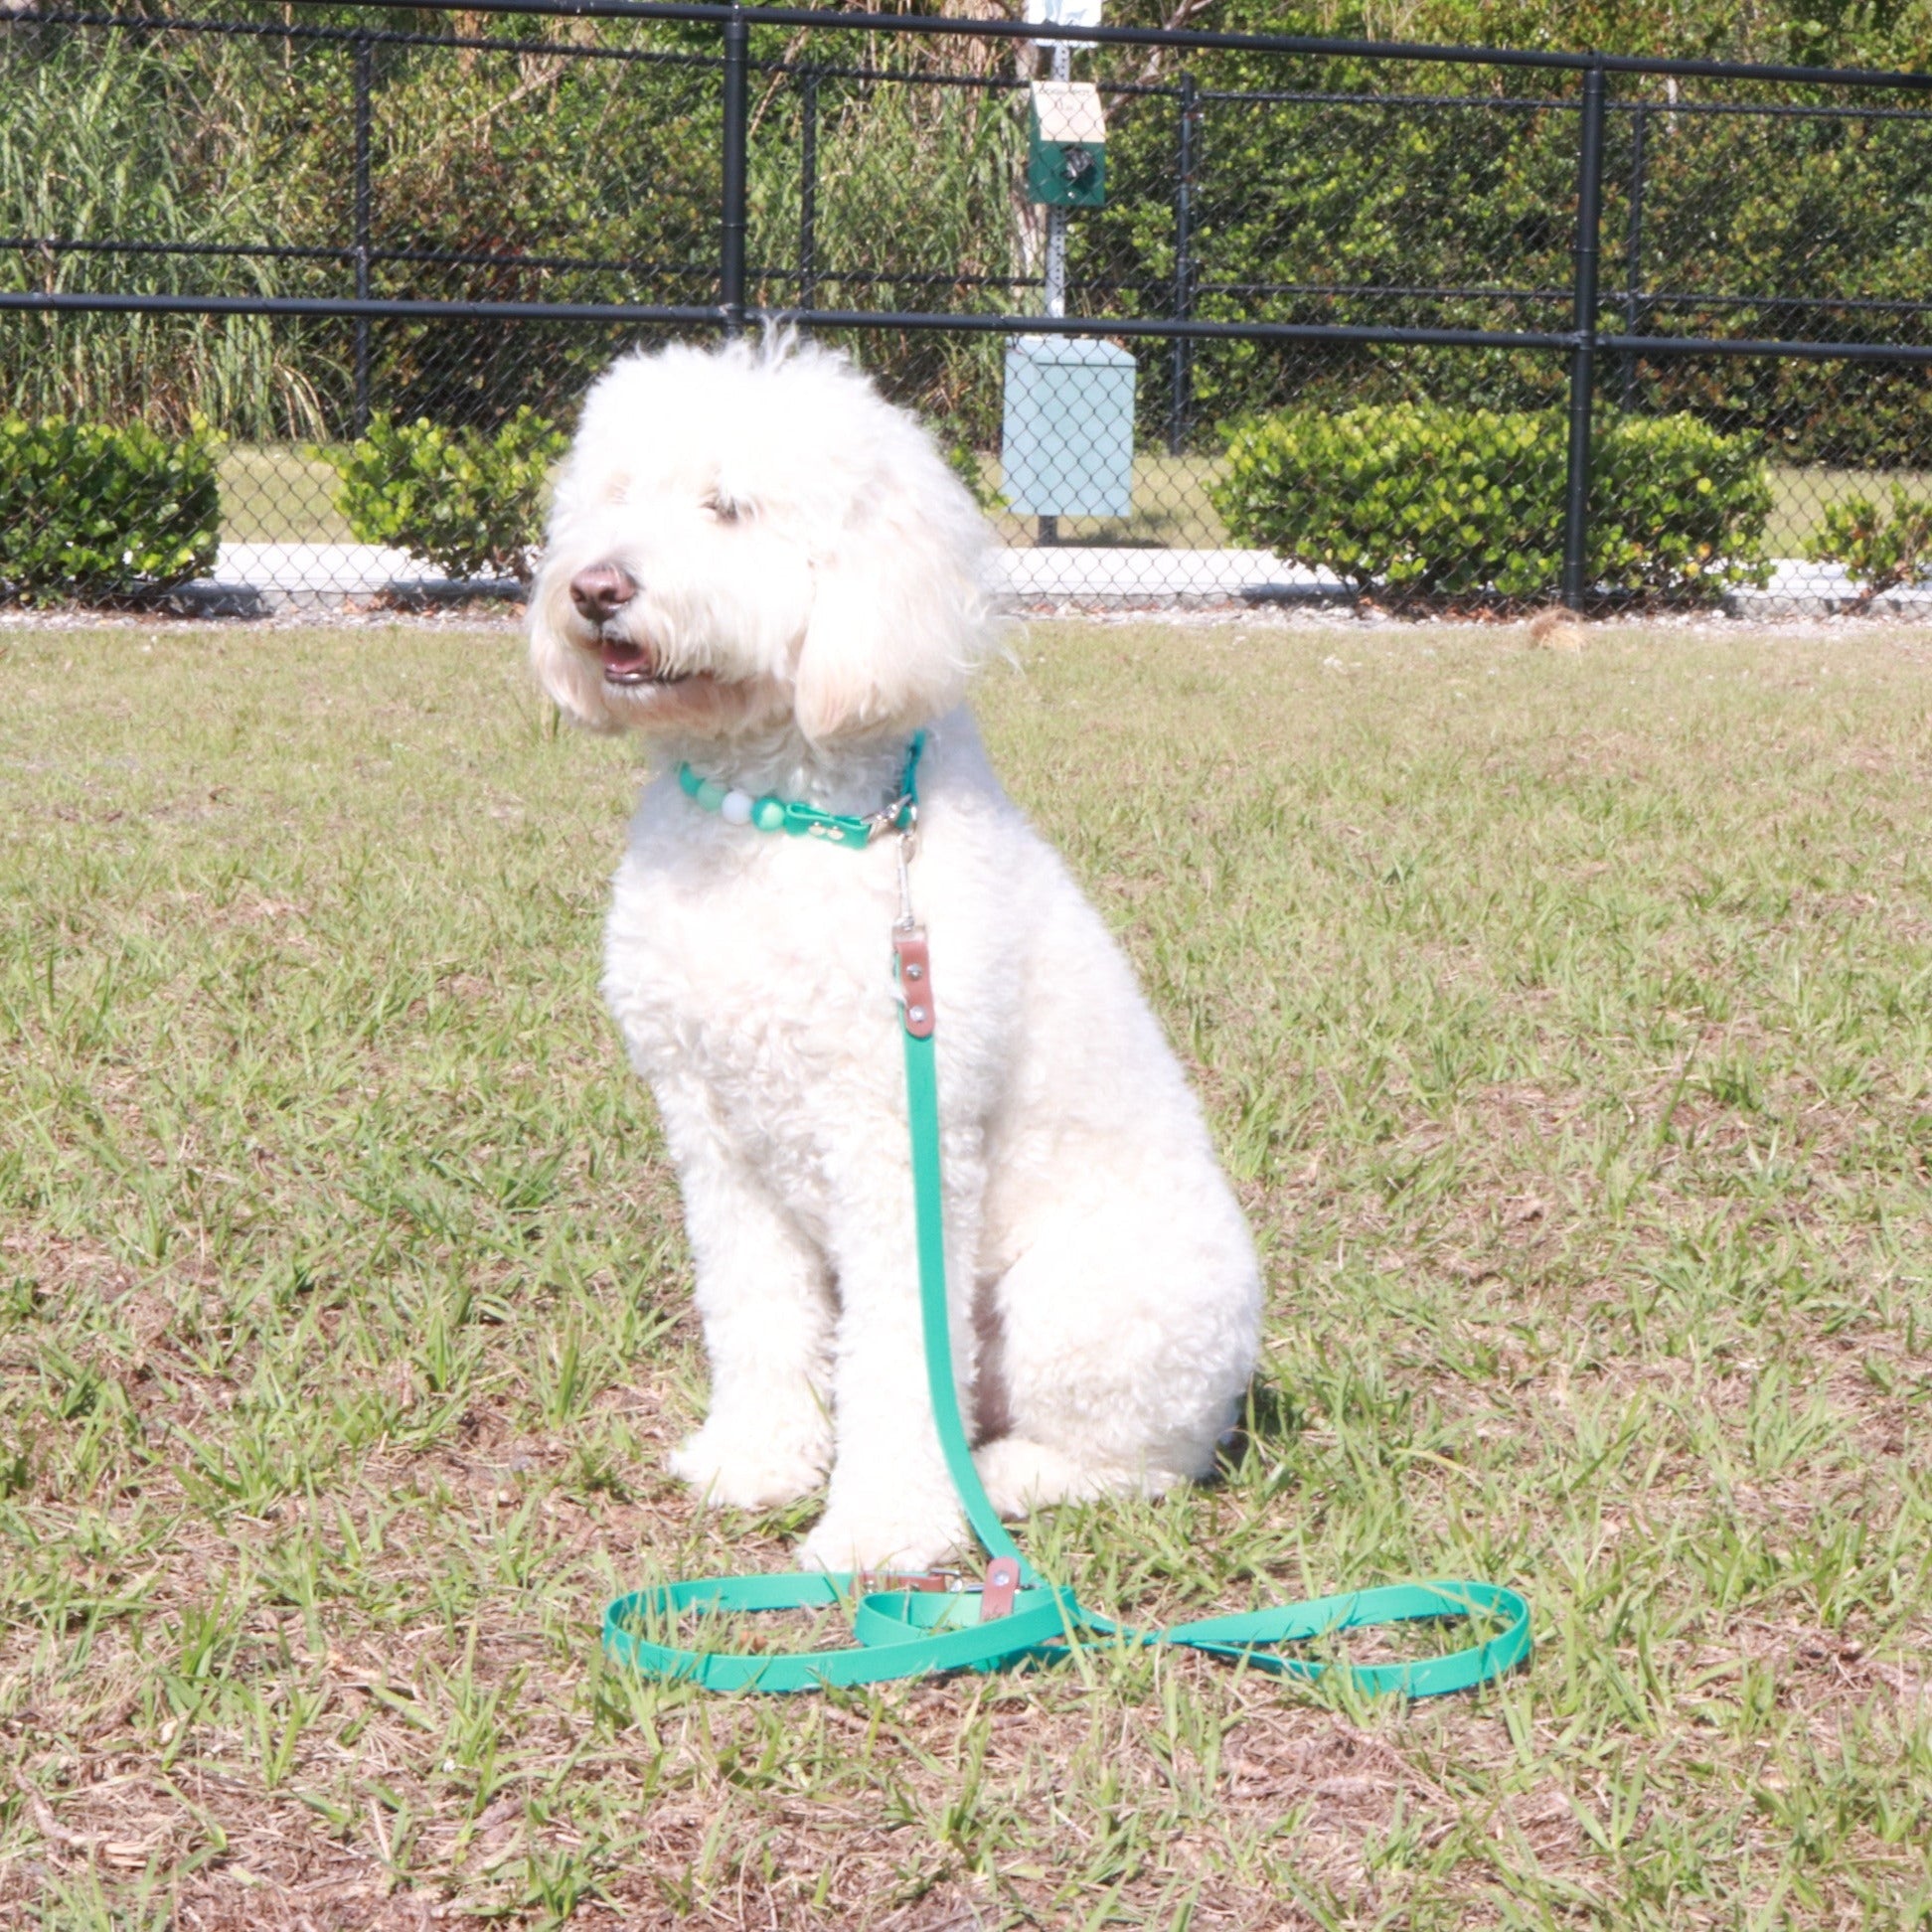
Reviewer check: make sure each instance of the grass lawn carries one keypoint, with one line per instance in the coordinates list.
(1171, 508)
(1564, 1020)
(278, 493)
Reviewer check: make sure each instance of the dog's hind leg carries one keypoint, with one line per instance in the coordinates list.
(1127, 1334)
(765, 1301)
(1021, 1476)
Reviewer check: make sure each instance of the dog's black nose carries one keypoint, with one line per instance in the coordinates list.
(600, 589)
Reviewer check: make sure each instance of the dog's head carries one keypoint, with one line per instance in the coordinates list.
(751, 534)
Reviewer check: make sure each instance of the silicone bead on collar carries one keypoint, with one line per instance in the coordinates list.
(774, 814)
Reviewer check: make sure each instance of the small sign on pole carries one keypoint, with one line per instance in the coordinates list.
(1063, 13)
(1066, 146)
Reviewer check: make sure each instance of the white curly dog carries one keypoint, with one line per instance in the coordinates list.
(768, 569)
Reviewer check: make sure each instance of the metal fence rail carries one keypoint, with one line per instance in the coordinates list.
(1557, 274)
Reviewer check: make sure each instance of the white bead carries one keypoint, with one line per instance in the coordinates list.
(734, 808)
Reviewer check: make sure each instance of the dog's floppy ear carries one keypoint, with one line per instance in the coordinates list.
(899, 616)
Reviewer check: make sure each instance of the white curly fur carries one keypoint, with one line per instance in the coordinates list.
(806, 575)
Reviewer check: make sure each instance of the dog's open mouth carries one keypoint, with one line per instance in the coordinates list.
(625, 663)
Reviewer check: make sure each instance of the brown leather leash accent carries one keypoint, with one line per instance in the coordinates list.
(914, 979)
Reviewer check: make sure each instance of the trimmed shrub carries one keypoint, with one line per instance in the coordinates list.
(93, 510)
(1677, 508)
(1426, 500)
(468, 501)
(1879, 550)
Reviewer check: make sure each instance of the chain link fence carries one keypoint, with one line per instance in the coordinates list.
(296, 305)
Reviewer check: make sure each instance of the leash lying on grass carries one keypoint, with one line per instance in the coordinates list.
(917, 1626)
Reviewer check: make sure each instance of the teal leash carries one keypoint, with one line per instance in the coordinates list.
(907, 1627)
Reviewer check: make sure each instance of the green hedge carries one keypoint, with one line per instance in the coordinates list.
(468, 501)
(1879, 549)
(92, 510)
(1426, 500)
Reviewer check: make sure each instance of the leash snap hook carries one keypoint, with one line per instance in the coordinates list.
(944, 1581)
(901, 815)
(908, 849)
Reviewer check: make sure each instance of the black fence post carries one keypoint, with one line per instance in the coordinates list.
(1589, 210)
(1634, 251)
(808, 190)
(1179, 400)
(730, 265)
(362, 54)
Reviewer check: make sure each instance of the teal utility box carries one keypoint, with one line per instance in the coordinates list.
(1066, 146)
(1068, 442)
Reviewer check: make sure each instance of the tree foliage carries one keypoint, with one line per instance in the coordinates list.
(526, 160)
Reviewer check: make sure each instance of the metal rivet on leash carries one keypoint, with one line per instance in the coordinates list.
(912, 1626)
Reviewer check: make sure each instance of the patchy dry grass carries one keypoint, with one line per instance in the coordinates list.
(1566, 1021)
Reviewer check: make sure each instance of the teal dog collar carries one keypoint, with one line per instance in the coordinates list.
(774, 814)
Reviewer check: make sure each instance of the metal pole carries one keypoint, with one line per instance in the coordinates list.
(808, 192)
(1056, 217)
(1179, 398)
(1048, 530)
(1634, 251)
(1055, 261)
(362, 54)
(730, 262)
(1589, 210)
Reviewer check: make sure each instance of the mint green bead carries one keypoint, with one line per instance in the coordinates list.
(709, 794)
(768, 813)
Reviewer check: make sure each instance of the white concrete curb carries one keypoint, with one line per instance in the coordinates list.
(278, 576)
(256, 578)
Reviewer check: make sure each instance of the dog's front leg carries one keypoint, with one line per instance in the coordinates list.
(891, 1504)
(765, 1302)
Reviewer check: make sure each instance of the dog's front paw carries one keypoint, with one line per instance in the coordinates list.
(851, 1540)
(748, 1471)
